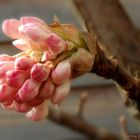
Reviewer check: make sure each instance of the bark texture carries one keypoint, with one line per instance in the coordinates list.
(116, 46)
(109, 21)
(80, 125)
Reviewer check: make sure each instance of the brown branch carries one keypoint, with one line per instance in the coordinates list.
(81, 104)
(109, 68)
(79, 125)
(114, 29)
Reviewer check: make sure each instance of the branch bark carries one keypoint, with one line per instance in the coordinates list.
(80, 125)
(114, 29)
(109, 24)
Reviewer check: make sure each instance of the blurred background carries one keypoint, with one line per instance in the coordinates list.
(104, 105)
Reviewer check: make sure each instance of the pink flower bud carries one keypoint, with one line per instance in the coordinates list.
(6, 57)
(15, 78)
(17, 99)
(62, 72)
(48, 89)
(8, 103)
(6, 106)
(3, 80)
(61, 92)
(21, 44)
(28, 19)
(40, 72)
(55, 43)
(5, 66)
(43, 60)
(10, 28)
(23, 63)
(7, 93)
(36, 101)
(35, 32)
(38, 113)
(31, 30)
(29, 90)
(22, 108)
(48, 55)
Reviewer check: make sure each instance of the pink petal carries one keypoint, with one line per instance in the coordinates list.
(38, 113)
(10, 28)
(6, 106)
(21, 44)
(40, 72)
(17, 99)
(35, 21)
(23, 63)
(29, 90)
(35, 32)
(31, 30)
(5, 66)
(62, 72)
(28, 19)
(8, 103)
(48, 89)
(15, 78)
(7, 93)
(61, 92)
(55, 43)
(22, 108)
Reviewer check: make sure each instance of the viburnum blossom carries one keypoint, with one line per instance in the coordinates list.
(52, 55)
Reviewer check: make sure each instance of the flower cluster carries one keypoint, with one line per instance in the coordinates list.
(42, 72)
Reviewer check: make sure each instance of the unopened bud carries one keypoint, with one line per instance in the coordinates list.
(24, 107)
(10, 28)
(40, 72)
(62, 72)
(5, 66)
(47, 89)
(36, 101)
(61, 92)
(29, 90)
(21, 44)
(15, 78)
(7, 93)
(38, 113)
(55, 43)
(23, 63)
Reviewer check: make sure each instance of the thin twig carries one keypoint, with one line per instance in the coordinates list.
(79, 125)
(81, 104)
(123, 126)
